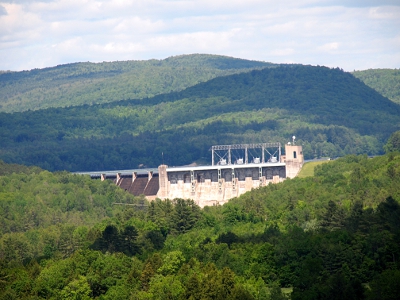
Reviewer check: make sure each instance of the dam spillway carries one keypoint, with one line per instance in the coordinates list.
(215, 184)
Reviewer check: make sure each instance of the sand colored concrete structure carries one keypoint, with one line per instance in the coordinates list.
(293, 160)
(215, 184)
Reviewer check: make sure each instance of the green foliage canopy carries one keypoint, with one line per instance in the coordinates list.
(88, 83)
(393, 143)
(330, 112)
(385, 81)
(334, 235)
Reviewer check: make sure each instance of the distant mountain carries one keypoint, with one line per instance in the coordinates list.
(385, 81)
(330, 111)
(90, 83)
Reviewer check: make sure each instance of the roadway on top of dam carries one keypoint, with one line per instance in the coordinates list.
(227, 166)
(187, 168)
(122, 172)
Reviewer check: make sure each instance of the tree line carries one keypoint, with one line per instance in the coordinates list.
(335, 235)
(88, 83)
(331, 112)
(385, 81)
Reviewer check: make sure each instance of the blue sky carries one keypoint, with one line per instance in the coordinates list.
(352, 34)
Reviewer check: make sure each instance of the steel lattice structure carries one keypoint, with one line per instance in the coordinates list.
(245, 147)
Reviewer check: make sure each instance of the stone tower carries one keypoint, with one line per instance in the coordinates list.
(294, 160)
(163, 181)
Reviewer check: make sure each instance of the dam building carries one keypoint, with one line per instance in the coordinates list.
(235, 169)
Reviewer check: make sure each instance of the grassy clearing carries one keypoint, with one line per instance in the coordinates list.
(308, 168)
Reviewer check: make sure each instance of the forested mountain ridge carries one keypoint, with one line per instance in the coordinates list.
(385, 81)
(331, 236)
(330, 111)
(88, 83)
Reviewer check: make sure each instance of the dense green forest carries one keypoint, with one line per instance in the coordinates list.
(385, 81)
(334, 235)
(88, 83)
(331, 112)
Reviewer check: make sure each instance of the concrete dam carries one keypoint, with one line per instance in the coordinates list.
(235, 170)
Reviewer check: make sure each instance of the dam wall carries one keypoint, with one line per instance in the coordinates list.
(213, 185)
(217, 184)
(209, 185)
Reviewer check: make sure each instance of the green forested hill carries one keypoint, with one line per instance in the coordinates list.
(88, 83)
(331, 112)
(335, 235)
(385, 81)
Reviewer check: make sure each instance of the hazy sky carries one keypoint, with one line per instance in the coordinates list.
(350, 34)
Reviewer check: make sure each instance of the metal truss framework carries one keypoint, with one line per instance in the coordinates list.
(227, 151)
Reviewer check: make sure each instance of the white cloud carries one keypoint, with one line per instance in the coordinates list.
(351, 34)
(330, 47)
(383, 13)
(282, 52)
